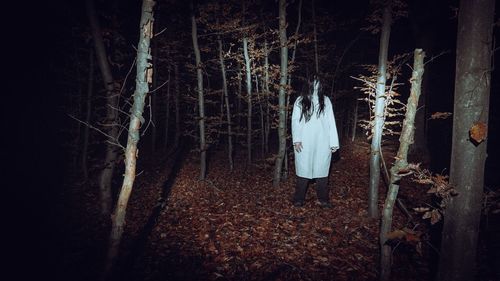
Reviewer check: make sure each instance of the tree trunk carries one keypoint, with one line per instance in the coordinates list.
(167, 113)
(177, 107)
(472, 89)
(379, 114)
(405, 140)
(266, 89)
(143, 77)
(106, 176)
(355, 119)
(249, 100)
(315, 34)
(289, 89)
(154, 100)
(228, 110)
(88, 113)
(282, 93)
(201, 102)
(238, 103)
(261, 110)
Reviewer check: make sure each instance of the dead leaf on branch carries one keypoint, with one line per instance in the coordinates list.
(404, 234)
(440, 115)
(478, 132)
(421, 209)
(396, 234)
(434, 215)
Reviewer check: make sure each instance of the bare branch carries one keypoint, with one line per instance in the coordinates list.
(114, 142)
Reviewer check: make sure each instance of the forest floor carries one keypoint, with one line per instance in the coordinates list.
(237, 226)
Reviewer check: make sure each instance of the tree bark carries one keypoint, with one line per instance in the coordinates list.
(154, 100)
(201, 101)
(249, 100)
(226, 100)
(355, 119)
(177, 107)
(266, 93)
(379, 114)
(88, 113)
(143, 77)
(167, 110)
(405, 140)
(106, 175)
(261, 110)
(282, 93)
(315, 34)
(471, 107)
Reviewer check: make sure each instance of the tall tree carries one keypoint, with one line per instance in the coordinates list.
(468, 152)
(226, 99)
(201, 101)
(111, 120)
(401, 163)
(267, 127)
(315, 34)
(143, 77)
(282, 93)
(167, 106)
(177, 107)
(379, 112)
(88, 113)
(248, 75)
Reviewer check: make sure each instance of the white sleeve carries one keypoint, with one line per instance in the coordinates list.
(297, 126)
(333, 135)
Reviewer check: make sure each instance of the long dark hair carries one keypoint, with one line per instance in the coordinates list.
(306, 103)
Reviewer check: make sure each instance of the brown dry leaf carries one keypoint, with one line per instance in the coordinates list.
(421, 209)
(478, 132)
(432, 190)
(440, 115)
(325, 230)
(412, 237)
(396, 234)
(427, 215)
(435, 216)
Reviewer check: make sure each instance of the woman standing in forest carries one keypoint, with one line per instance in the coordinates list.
(315, 138)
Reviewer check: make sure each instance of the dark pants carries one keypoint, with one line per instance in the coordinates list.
(322, 189)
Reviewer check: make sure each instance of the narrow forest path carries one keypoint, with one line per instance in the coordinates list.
(236, 226)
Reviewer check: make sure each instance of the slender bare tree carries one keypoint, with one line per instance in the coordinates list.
(282, 93)
(177, 107)
(201, 100)
(111, 120)
(405, 140)
(248, 75)
(88, 111)
(143, 77)
(226, 99)
(379, 113)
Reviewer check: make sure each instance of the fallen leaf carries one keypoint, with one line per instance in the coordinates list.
(478, 132)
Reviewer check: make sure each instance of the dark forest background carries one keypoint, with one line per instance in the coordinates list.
(42, 37)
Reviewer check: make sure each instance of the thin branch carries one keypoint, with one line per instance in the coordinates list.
(157, 88)
(157, 34)
(436, 56)
(118, 109)
(125, 81)
(150, 118)
(100, 131)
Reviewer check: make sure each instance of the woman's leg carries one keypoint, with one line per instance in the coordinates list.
(322, 190)
(300, 190)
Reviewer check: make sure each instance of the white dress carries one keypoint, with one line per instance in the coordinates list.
(318, 136)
